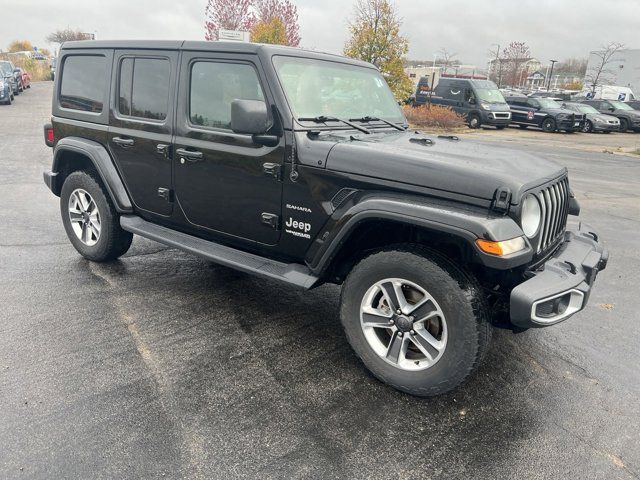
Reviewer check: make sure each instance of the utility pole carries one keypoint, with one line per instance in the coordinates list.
(551, 74)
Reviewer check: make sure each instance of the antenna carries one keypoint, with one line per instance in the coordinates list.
(294, 161)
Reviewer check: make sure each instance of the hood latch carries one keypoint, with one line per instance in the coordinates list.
(501, 200)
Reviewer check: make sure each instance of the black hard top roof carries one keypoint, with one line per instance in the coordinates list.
(224, 47)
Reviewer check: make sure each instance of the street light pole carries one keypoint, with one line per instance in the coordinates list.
(551, 74)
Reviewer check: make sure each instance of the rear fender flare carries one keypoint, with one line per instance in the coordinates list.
(101, 160)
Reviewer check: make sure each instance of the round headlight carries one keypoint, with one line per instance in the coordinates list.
(531, 216)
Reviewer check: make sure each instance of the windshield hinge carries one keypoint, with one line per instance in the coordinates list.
(501, 200)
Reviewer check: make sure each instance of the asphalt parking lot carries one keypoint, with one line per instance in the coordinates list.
(164, 365)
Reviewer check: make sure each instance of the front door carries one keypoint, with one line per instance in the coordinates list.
(224, 182)
(141, 126)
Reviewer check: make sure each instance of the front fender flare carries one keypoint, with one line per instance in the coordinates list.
(467, 223)
(101, 160)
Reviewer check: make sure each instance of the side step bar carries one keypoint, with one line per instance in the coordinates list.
(292, 273)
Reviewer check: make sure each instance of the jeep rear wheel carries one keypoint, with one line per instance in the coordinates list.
(415, 319)
(90, 219)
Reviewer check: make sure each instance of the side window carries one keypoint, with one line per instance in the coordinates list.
(83, 83)
(469, 96)
(143, 87)
(605, 105)
(214, 85)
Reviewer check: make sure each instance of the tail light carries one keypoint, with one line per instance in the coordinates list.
(49, 137)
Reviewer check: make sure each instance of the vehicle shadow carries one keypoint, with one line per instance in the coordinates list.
(253, 364)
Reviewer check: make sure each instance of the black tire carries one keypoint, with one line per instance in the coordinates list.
(548, 125)
(474, 120)
(459, 297)
(588, 127)
(624, 125)
(113, 240)
(523, 126)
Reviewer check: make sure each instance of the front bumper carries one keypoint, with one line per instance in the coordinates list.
(606, 127)
(495, 118)
(562, 286)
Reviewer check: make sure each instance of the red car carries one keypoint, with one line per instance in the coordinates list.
(26, 78)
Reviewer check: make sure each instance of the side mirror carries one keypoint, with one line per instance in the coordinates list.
(249, 116)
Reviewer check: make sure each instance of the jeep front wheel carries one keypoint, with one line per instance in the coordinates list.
(90, 219)
(416, 320)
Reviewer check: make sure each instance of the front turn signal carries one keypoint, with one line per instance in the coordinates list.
(503, 247)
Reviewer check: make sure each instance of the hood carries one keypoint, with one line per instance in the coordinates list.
(630, 113)
(457, 166)
(556, 111)
(605, 116)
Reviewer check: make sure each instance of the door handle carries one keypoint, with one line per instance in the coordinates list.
(123, 142)
(190, 155)
(163, 149)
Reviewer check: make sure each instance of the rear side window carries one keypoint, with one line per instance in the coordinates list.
(214, 86)
(143, 87)
(83, 83)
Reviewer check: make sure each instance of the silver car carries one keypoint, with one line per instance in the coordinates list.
(595, 121)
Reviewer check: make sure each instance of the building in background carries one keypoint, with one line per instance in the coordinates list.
(623, 70)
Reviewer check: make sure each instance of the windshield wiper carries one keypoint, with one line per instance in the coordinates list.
(324, 119)
(376, 119)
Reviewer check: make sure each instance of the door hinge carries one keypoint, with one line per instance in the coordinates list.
(270, 219)
(502, 199)
(166, 193)
(273, 169)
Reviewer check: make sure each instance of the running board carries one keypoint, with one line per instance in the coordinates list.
(292, 273)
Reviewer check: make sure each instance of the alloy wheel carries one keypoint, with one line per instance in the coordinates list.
(403, 324)
(84, 216)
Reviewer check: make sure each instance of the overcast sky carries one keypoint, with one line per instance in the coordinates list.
(552, 28)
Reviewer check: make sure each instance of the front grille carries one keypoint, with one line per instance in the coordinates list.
(503, 115)
(554, 202)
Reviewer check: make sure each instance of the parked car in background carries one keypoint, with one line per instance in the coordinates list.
(54, 62)
(635, 104)
(595, 121)
(629, 118)
(479, 101)
(26, 78)
(609, 92)
(544, 113)
(6, 90)
(10, 74)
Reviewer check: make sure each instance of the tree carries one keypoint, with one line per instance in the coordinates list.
(228, 15)
(599, 73)
(446, 59)
(283, 10)
(246, 14)
(375, 38)
(271, 31)
(66, 35)
(20, 46)
(514, 58)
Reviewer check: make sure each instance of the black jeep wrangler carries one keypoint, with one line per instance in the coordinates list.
(299, 167)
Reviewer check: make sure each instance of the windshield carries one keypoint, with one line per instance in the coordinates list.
(321, 88)
(5, 67)
(490, 95)
(620, 105)
(548, 103)
(586, 109)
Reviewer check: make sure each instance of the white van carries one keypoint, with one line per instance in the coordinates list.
(609, 92)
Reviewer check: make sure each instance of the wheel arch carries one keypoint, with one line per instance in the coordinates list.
(73, 154)
(379, 222)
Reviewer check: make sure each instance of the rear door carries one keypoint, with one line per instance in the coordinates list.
(224, 182)
(141, 125)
